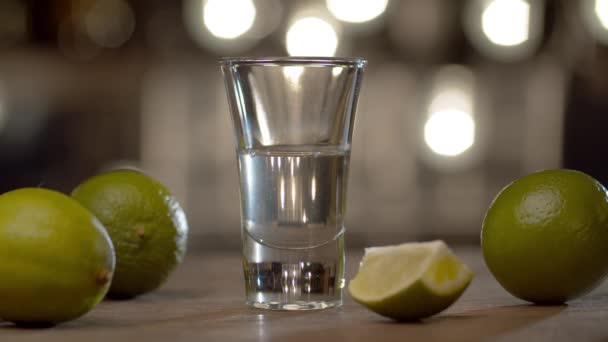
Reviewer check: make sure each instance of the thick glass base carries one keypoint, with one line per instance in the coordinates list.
(270, 305)
(293, 279)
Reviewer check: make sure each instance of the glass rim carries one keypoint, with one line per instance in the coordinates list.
(358, 62)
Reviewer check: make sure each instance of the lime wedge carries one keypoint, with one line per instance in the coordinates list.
(409, 281)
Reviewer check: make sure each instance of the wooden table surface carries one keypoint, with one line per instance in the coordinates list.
(203, 301)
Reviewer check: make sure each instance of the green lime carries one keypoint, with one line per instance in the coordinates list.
(56, 258)
(146, 224)
(409, 281)
(545, 236)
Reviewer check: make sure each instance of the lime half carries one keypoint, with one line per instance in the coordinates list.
(409, 281)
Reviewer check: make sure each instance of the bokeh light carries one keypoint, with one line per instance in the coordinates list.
(506, 22)
(229, 19)
(505, 30)
(595, 19)
(311, 36)
(229, 27)
(449, 129)
(110, 23)
(356, 11)
(449, 132)
(601, 11)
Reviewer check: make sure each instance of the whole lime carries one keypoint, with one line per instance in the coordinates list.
(56, 258)
(545, 236)
(146, 224)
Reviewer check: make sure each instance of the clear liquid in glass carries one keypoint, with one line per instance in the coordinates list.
(293, 205)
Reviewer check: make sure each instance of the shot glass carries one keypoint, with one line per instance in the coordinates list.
(293, 123)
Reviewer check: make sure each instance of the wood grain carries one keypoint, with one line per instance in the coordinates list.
(203, 301)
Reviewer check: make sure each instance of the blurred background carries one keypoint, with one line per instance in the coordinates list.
(460, 97)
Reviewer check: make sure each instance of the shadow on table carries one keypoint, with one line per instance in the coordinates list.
(162, 306)
(473, 325)
(491, 322)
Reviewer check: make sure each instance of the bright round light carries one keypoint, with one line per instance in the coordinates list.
(506, 22)
(601, 10)
(449, 132)
(311, 36)
(356, 11)
(228, 19)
